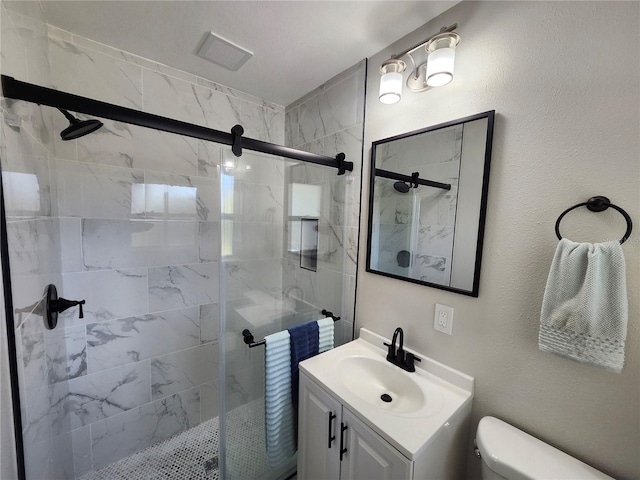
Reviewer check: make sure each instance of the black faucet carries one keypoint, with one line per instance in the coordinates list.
(397, 356)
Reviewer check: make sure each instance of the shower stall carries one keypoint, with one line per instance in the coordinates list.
(177, 244)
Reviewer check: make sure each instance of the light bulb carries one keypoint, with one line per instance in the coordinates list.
(390, 88)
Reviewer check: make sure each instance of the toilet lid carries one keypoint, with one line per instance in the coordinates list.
(517, 455)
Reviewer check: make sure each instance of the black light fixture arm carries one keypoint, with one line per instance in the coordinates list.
(413, 179)
(18, 90)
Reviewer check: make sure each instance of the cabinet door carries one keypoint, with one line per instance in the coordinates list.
(319, 417)
(369, 456)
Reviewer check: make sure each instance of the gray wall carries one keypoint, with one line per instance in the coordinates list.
(563, 79)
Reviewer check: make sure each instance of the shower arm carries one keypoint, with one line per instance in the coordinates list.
(18, 90)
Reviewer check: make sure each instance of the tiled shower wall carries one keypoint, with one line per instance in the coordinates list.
(33, 231)
(133, 215)
(327, 121)
(422, 220)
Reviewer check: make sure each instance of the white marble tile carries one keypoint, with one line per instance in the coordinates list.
(209, 401)
(238, 94)
(66, 354)
(96, 191)
(34, 371)
(25, 176)
(183, 286)
(13, 54)
(252, 168)
(432, 269)
(124, 145)
(71, 244)
(95, 397)
(258, 203)
(254, 275)
(257, 241)
(118, 342)
(104, 77)
(435, 240)
(209, 159)
(125, 244)
(262, 123)
(180, 197)
(209, 239)
(184, 370)
(45, 412)
(109, 295)
(291, 127)
(36, 41)
(34, 246)
(237, 388)
(49, 458)
(189, 103)
(209, 323)
(141, 427)
(436, 205)
(171, 97)
(81, 441)
(331, 110)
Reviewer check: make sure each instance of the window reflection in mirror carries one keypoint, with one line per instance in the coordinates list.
(431, 235)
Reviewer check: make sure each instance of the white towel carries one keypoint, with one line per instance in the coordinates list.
(585, 308)
(279, 420)
(325, 334)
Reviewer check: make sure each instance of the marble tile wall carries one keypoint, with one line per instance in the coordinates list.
(128, 219)
(327, 121)
(421, 221)
(33, 235)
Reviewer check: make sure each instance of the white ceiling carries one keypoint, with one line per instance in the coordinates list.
(297, 45)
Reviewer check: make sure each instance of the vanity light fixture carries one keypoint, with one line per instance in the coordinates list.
(436, 71)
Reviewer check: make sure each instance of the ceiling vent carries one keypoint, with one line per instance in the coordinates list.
(223, 52)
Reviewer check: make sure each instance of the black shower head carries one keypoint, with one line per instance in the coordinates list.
(401, 187)
(78, 128)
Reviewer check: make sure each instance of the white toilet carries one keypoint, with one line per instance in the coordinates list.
(511, 454)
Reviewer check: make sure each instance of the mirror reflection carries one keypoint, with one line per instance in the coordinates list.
(428, 204)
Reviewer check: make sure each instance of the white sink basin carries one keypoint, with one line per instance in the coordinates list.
(371, 379)
(423, 403)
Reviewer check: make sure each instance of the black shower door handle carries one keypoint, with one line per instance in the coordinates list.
(343, 450)
(332, 416)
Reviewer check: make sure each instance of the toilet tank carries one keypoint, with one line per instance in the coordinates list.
(509, 453)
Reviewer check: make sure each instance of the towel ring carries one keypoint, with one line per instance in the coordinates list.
(598, 204)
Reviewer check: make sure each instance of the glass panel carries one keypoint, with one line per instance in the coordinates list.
(265, 199)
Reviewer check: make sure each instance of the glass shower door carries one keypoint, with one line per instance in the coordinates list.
(282, 263)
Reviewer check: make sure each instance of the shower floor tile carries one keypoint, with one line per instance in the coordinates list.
(193, 455)
(184, 456)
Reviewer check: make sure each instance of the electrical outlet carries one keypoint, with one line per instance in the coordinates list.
(443, 319)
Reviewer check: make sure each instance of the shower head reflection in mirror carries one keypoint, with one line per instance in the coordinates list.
(433, 236)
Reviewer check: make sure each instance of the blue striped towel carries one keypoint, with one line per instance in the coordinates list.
(304, 344)
(279, 413)
(325, 334)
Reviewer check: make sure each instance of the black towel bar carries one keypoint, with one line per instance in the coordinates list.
(598, 204)
(248, 336)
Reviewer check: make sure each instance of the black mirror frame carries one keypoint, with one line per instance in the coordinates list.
(489, 115)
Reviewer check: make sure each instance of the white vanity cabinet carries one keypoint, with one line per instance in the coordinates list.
(362, 418)
(334, 444)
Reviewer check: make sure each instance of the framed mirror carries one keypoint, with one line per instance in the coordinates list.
(428, 202)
